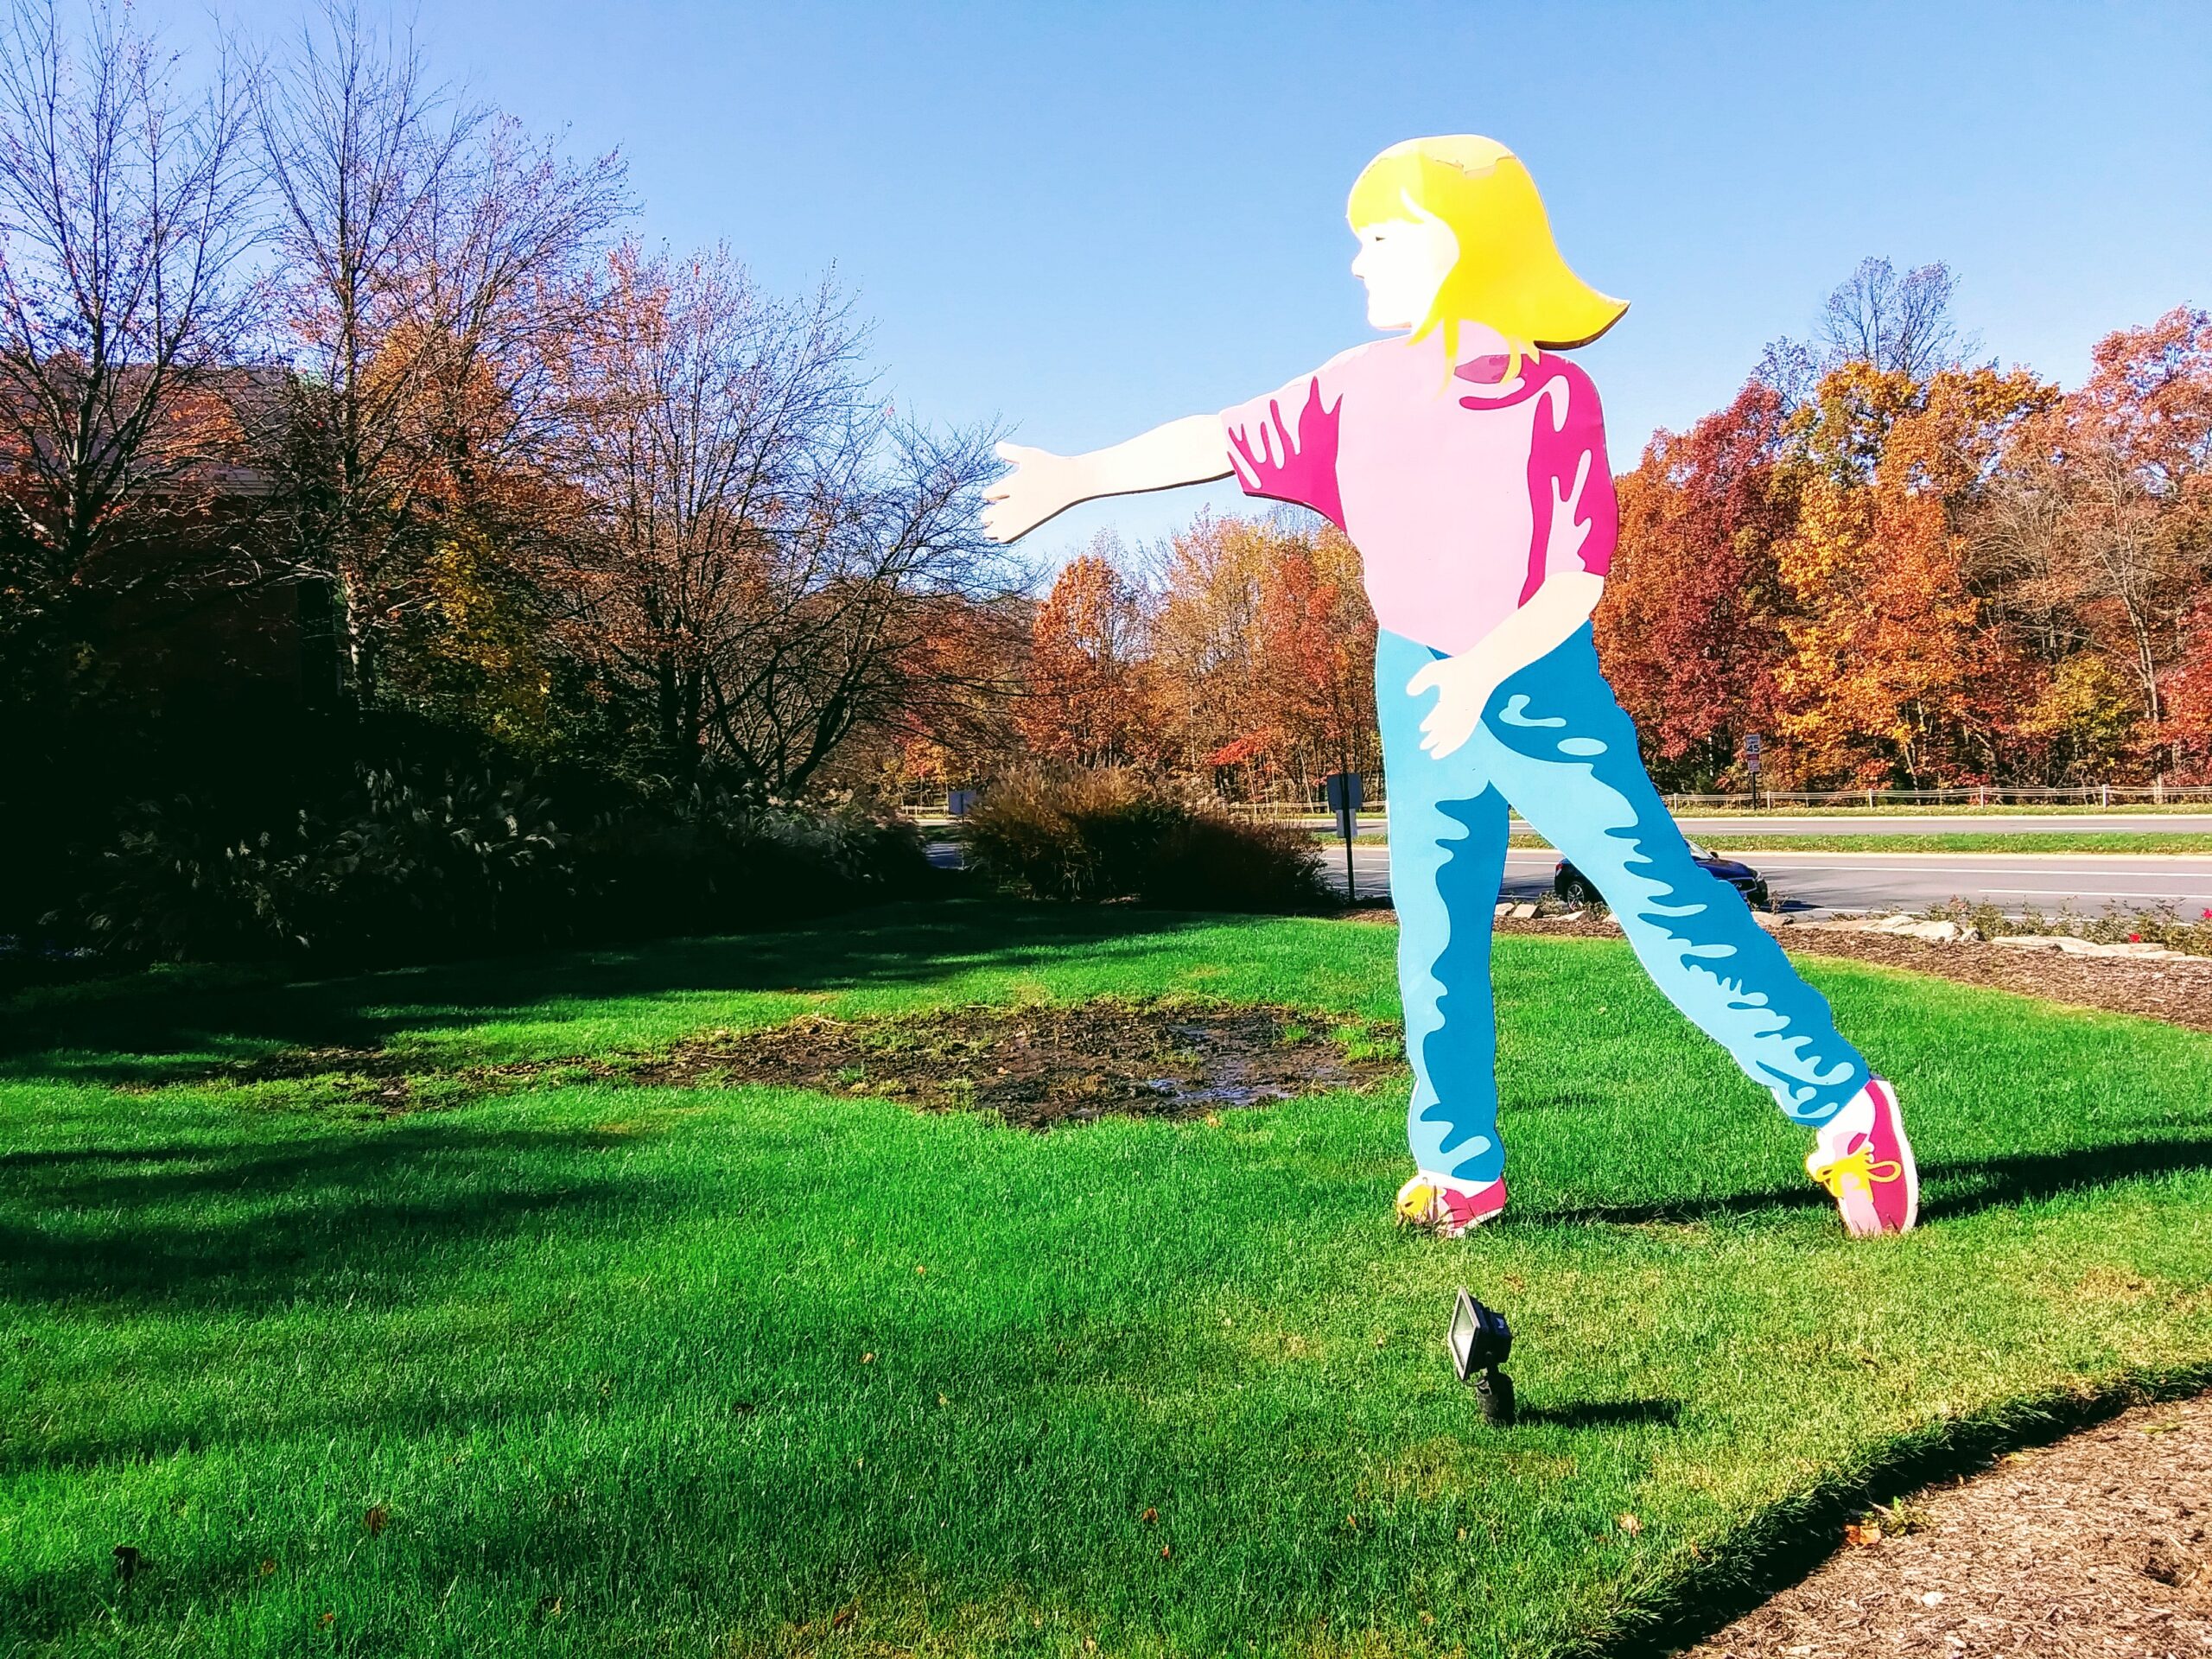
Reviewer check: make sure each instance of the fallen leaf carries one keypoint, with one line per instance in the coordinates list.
(1164, 1552)
(918, 1267)
(1352, 1520)
(867, 1359)
(1630, 1524)
(838, 1621)
(327, 1618)
(1463, 1535)
(1151, 1516)
(1862, 1533)
(377, 1519)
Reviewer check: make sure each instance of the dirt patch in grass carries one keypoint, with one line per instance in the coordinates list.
(2101, 1544)
(1036, 1065)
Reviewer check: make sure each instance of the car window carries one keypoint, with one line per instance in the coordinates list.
(1698, 849)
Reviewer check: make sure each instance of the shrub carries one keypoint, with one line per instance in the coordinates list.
(402, 866)
(1093, 834)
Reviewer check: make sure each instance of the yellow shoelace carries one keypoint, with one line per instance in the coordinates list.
(1856, 1166)
(1418, 1206)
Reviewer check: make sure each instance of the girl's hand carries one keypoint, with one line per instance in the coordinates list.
(1463, 685)
(1041, 486)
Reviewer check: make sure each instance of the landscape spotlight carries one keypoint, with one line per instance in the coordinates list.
(1481, 1341)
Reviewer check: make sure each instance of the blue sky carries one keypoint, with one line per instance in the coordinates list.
(1086, 217)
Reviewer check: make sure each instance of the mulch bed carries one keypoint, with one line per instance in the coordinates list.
(2174, 989)
(2100, 1545)
(1038, 1065)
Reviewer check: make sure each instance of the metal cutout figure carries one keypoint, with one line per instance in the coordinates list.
(1465, 455)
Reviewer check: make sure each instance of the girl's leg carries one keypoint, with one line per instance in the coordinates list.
(1558, 746)
(1447, 855)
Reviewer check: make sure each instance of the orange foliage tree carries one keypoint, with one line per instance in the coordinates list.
(1087, 699)
(1894, 674)
(1264, 653)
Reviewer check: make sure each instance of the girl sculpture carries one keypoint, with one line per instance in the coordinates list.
(1466, 458)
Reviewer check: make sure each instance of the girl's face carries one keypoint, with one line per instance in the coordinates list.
(1403, 262)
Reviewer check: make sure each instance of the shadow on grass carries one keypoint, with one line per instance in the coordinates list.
(1962, 1187)
(268, 1225)
(136, 1030)
(1605, 1414)
(2021, 1178)
(1782, 1545)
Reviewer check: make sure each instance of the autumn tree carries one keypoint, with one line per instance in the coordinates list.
(2189, 697)
(432, 257)
(1894, 673)
(1087, 699)
(968, 680)
(124, 222)
(1316, 656)
(1688, 628)
(2100, 527)
(762, 542)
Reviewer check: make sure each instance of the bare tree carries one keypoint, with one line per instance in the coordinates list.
(125, 218)
(1899, 324)
(767, 540)
(430, 249)
(1902, 324)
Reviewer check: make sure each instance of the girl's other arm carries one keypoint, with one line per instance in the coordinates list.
(1577, 523)
(1554, 611)
(1042, 485)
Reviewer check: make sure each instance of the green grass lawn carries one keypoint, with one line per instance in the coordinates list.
(600, 1370)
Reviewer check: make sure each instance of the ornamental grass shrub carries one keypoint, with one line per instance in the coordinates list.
(1087, 835)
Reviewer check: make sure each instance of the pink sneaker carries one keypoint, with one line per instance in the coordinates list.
(1863, 1158)
(1437, 1201)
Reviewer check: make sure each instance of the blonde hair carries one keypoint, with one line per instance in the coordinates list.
(1509, 274)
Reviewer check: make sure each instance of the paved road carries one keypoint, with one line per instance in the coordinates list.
(1820, 883)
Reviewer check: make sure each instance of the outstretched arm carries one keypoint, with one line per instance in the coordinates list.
(1042, 485)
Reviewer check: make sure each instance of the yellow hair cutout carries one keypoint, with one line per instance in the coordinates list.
(1509, 274)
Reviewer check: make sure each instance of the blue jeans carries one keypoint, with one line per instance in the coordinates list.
(1553, 743)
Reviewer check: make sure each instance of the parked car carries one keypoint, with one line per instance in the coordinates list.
(1576, 888)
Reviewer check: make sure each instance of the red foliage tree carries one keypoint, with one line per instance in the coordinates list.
(1688, 628)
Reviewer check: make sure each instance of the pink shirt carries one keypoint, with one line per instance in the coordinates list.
(1460, 494)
